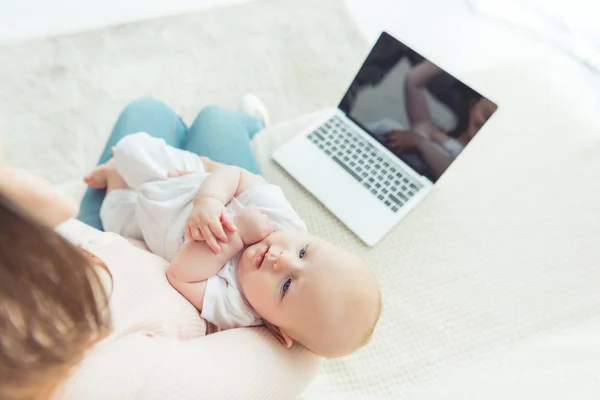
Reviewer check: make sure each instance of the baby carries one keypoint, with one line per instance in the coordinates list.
(238, 251)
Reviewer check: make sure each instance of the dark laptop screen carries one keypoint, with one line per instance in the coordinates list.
(421, 113)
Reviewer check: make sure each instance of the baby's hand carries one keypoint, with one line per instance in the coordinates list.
(253, 226)
(206, 222)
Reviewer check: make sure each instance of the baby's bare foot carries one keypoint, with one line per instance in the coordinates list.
(98, 178)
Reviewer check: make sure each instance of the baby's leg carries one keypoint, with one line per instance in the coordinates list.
(117, 212)
(140, 158)
(105, 176)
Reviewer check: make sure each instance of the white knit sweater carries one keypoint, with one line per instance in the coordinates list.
(158, 348)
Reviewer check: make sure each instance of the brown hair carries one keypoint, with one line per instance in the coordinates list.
(52, 306)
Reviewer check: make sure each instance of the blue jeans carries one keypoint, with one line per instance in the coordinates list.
(217, 133)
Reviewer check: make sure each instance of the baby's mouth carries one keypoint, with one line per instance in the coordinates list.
(260, 257)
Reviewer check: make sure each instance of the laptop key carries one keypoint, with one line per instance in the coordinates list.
(396, 200)
(403, 196)
(341, 164)
(317, 134)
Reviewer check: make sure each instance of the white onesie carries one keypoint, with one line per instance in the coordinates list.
(156, 207)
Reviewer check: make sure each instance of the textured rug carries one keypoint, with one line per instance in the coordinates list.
(60, 96)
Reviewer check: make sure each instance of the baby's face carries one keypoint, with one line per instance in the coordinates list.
(319, 294)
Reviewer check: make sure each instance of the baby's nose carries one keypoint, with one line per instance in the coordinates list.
(279, 261)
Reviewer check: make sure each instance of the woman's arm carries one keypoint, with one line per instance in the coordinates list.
(245, 364)
(36, 196)
(435, 156)
(414, 85)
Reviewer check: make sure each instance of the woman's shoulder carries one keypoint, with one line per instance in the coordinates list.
(143, 367)
(75, 230)
(115, 368)
(141, 298)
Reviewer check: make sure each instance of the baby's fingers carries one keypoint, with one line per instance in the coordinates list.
(196, 234)
(217, 230)
(227, 221)
(210, 239)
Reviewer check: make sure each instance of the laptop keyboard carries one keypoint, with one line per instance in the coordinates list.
(373, 170)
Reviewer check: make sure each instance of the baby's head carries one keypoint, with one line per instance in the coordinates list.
(310, 291)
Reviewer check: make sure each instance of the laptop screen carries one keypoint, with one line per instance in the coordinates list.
(417, 110)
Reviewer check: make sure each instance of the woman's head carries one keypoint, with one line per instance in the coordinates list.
(472, 110)
(52, 306)
(480, 111)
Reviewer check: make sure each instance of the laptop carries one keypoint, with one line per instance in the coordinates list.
(400, 125)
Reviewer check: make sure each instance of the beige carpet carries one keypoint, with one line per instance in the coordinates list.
(60, 96)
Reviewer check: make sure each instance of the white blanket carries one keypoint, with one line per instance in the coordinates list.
(491, 287)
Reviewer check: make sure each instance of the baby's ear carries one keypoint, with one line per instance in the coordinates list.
(283, 338)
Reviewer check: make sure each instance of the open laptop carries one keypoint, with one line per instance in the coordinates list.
(398, 128)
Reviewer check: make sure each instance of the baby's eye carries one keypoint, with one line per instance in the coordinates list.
(303, 252)
(286, 286)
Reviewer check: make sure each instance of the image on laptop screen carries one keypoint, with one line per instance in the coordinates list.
(418, 111)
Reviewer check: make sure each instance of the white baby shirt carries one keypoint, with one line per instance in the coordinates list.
(159, 207)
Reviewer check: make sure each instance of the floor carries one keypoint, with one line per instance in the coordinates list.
(446, 31)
